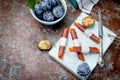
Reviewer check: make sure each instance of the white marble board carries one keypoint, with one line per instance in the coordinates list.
(70, 60)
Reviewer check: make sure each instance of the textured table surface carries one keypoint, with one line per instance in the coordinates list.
(20, 34)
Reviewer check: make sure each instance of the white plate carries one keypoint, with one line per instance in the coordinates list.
(70, 60)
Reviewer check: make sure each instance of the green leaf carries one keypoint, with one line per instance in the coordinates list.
(31, 3)
(37, 1)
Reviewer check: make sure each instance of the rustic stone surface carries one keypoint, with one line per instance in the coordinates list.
(20, 34)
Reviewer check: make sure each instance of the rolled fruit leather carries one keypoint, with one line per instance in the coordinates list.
(84, 49)
(87, 32)
(76, 43)
(63, 41)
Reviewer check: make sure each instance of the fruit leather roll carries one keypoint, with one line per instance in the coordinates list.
(63, 41)
(76, 43)
(84, 49)
(87, 32)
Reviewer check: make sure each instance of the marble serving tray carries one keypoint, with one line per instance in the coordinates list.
(70, 60)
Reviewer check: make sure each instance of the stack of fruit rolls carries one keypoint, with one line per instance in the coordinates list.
(87, 32)
(63, 41)
(76, 43)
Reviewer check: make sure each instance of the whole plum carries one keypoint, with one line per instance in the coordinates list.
(53, 3)
(45, 5)
(48, 16)
(58, 2)
(58, 11)
(83, 69)
(38, 11)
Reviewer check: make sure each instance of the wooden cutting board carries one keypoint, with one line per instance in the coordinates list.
(70, 60)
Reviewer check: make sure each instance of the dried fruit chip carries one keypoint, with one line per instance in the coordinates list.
(88, 21)
(44, 45)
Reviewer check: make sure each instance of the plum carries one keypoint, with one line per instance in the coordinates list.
(58, 11)
(58, 2)
(53, 3)
(48, 16)
(38, 11)
(83, 69)
(45, 5)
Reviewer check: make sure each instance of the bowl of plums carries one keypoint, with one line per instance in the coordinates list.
(49, 12)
